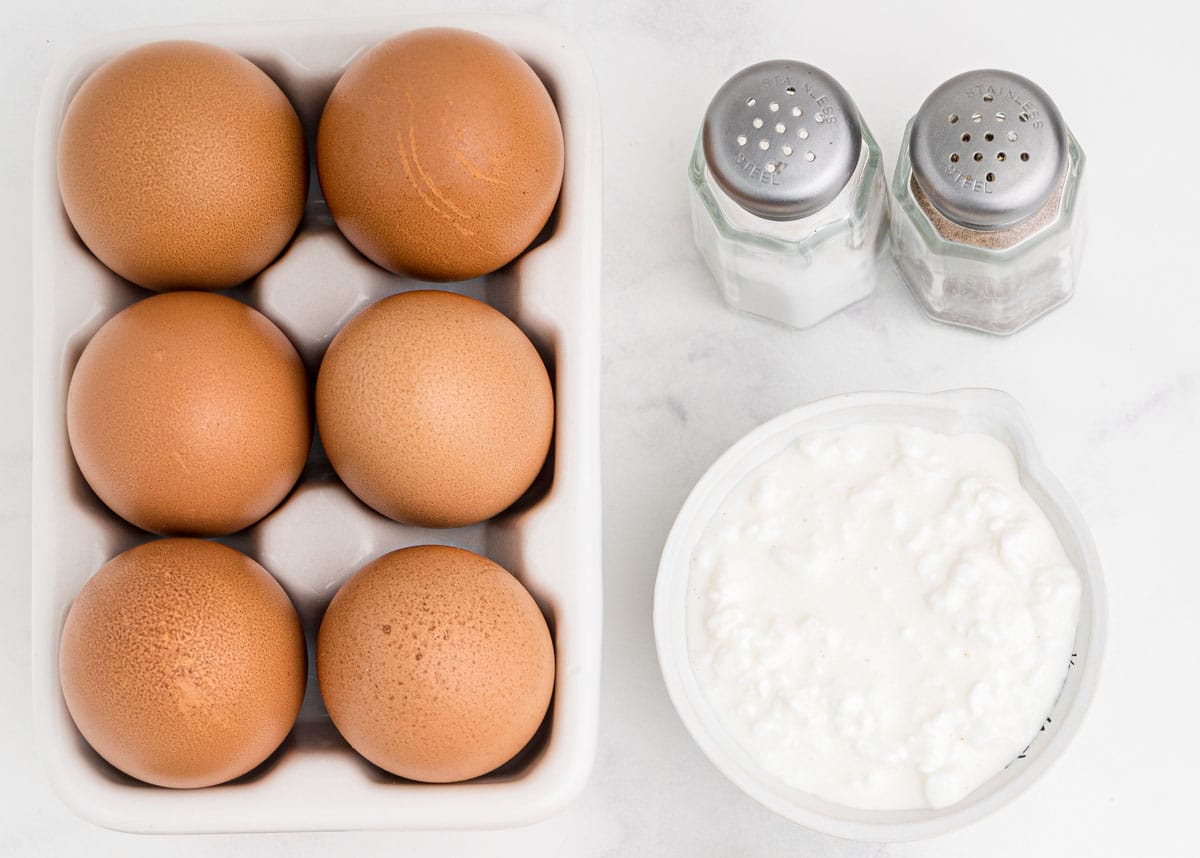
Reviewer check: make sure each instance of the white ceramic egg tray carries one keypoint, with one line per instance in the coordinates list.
(321, 534)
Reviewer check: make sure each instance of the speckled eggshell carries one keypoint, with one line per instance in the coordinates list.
(434, 408)
(440, 154)
(188, 414)
(182, 166)
(183, 663)
(435, 664)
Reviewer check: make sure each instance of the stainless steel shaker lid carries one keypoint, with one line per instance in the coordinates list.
(988, 148)
(782, 139)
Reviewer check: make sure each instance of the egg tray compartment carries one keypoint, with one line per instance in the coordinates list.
(321, 533)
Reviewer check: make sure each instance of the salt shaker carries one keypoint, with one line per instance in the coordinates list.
(788, 196)
(988, 228)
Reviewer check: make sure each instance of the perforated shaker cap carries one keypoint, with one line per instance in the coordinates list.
(782, 138)
(988, 148)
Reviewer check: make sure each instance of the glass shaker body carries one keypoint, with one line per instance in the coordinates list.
(988, 224)
(788, 196)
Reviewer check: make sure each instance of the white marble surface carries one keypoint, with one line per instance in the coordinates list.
(1111, 383)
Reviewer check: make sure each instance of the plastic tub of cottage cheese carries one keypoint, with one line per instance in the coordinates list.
(880, 615)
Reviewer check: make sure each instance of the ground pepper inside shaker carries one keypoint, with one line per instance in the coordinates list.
(789, 200)
(989, 230)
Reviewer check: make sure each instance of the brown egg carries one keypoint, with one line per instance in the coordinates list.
(440, 154)
(188, 413)
(435, 664)
(434, 408)
(183, 663)
(182, 166)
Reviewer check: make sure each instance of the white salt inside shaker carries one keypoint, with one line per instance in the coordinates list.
(789, 201)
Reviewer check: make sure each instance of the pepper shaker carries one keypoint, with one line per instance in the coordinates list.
(989, 228)
(788, 196)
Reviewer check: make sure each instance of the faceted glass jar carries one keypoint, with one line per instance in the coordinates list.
(999, 280)
(789, 201)
(802, 271)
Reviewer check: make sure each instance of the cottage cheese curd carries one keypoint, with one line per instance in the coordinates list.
(886, 617)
